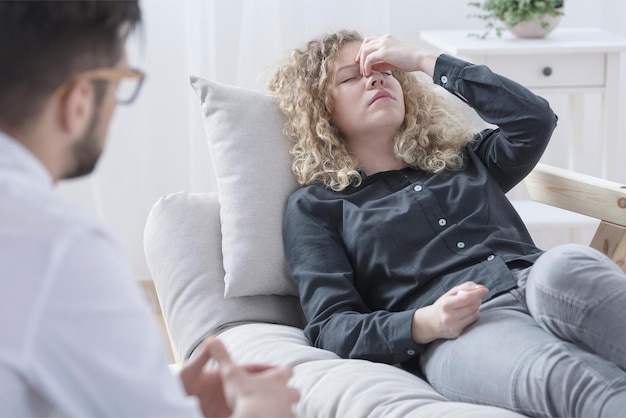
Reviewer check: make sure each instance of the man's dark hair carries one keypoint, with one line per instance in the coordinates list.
(43, 44)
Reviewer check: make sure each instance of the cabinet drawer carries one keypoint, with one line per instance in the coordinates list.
(541, 71)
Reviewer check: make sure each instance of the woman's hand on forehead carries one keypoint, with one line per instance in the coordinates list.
(385, 53)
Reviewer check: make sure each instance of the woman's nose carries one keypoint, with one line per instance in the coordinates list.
(376, 79)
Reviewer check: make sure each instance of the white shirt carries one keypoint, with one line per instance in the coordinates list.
(77, 337)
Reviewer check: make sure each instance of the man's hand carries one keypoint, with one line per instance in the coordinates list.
(206, 385)
(238, 391)
(450, 314)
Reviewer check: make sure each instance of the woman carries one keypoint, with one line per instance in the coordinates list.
(401, 236)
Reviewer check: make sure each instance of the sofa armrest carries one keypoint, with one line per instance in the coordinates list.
(182, 243)
(587, 195)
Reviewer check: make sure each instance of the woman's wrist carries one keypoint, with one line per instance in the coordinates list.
(421, 329)
(426, 61)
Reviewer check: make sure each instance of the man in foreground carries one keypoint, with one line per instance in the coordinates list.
(77, 337)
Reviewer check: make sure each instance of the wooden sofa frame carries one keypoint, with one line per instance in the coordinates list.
(587, 195)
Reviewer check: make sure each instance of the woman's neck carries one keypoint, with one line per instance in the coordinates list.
(375, 156)
(379, 165)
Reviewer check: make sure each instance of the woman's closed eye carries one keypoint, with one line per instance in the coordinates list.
(351, 78)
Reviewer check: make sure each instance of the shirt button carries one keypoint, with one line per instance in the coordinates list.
(491, 257)
(410, 352)
(442, 222)
(444, 79)
(460, 244)
(418, 188)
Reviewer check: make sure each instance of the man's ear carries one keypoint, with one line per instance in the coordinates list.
(76, 107)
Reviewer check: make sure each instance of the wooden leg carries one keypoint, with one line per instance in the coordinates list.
(153, 300)
(611, 240)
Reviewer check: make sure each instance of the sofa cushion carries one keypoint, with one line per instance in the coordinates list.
(334, 387)
(183, 249)
(250, 153)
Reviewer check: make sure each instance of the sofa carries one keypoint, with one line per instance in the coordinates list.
(218, 265)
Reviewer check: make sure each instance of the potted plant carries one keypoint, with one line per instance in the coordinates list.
(525, 18)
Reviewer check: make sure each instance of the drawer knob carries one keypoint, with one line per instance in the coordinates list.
(547, 71)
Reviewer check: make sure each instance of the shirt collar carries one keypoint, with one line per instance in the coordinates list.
(17, 160)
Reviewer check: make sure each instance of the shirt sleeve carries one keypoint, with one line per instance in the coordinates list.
(525, 121)
(338, 319)
(93, 347)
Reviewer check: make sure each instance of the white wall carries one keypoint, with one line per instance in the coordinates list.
(157, 146)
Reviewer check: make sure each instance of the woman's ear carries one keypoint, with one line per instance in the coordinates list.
(76, 107)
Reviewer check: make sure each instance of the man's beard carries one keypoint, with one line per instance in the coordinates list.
(86, 151)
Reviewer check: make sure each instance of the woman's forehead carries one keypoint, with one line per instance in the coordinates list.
(347, 54)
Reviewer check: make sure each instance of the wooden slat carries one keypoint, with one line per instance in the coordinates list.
(588, 195)
(611, 240)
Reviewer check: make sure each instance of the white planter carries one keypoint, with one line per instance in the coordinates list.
(536, 28)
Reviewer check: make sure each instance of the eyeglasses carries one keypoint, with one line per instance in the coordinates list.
(128, 86)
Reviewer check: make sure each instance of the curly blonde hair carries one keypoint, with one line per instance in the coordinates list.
(430, 138)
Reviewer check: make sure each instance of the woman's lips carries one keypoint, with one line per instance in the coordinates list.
(380, 95)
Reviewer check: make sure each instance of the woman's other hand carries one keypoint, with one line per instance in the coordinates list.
(454, 311)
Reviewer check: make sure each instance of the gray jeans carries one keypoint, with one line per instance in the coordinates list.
(555, 346)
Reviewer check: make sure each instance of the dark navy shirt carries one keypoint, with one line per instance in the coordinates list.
(365, 258)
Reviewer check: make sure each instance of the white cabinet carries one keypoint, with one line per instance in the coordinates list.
(551, 71)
